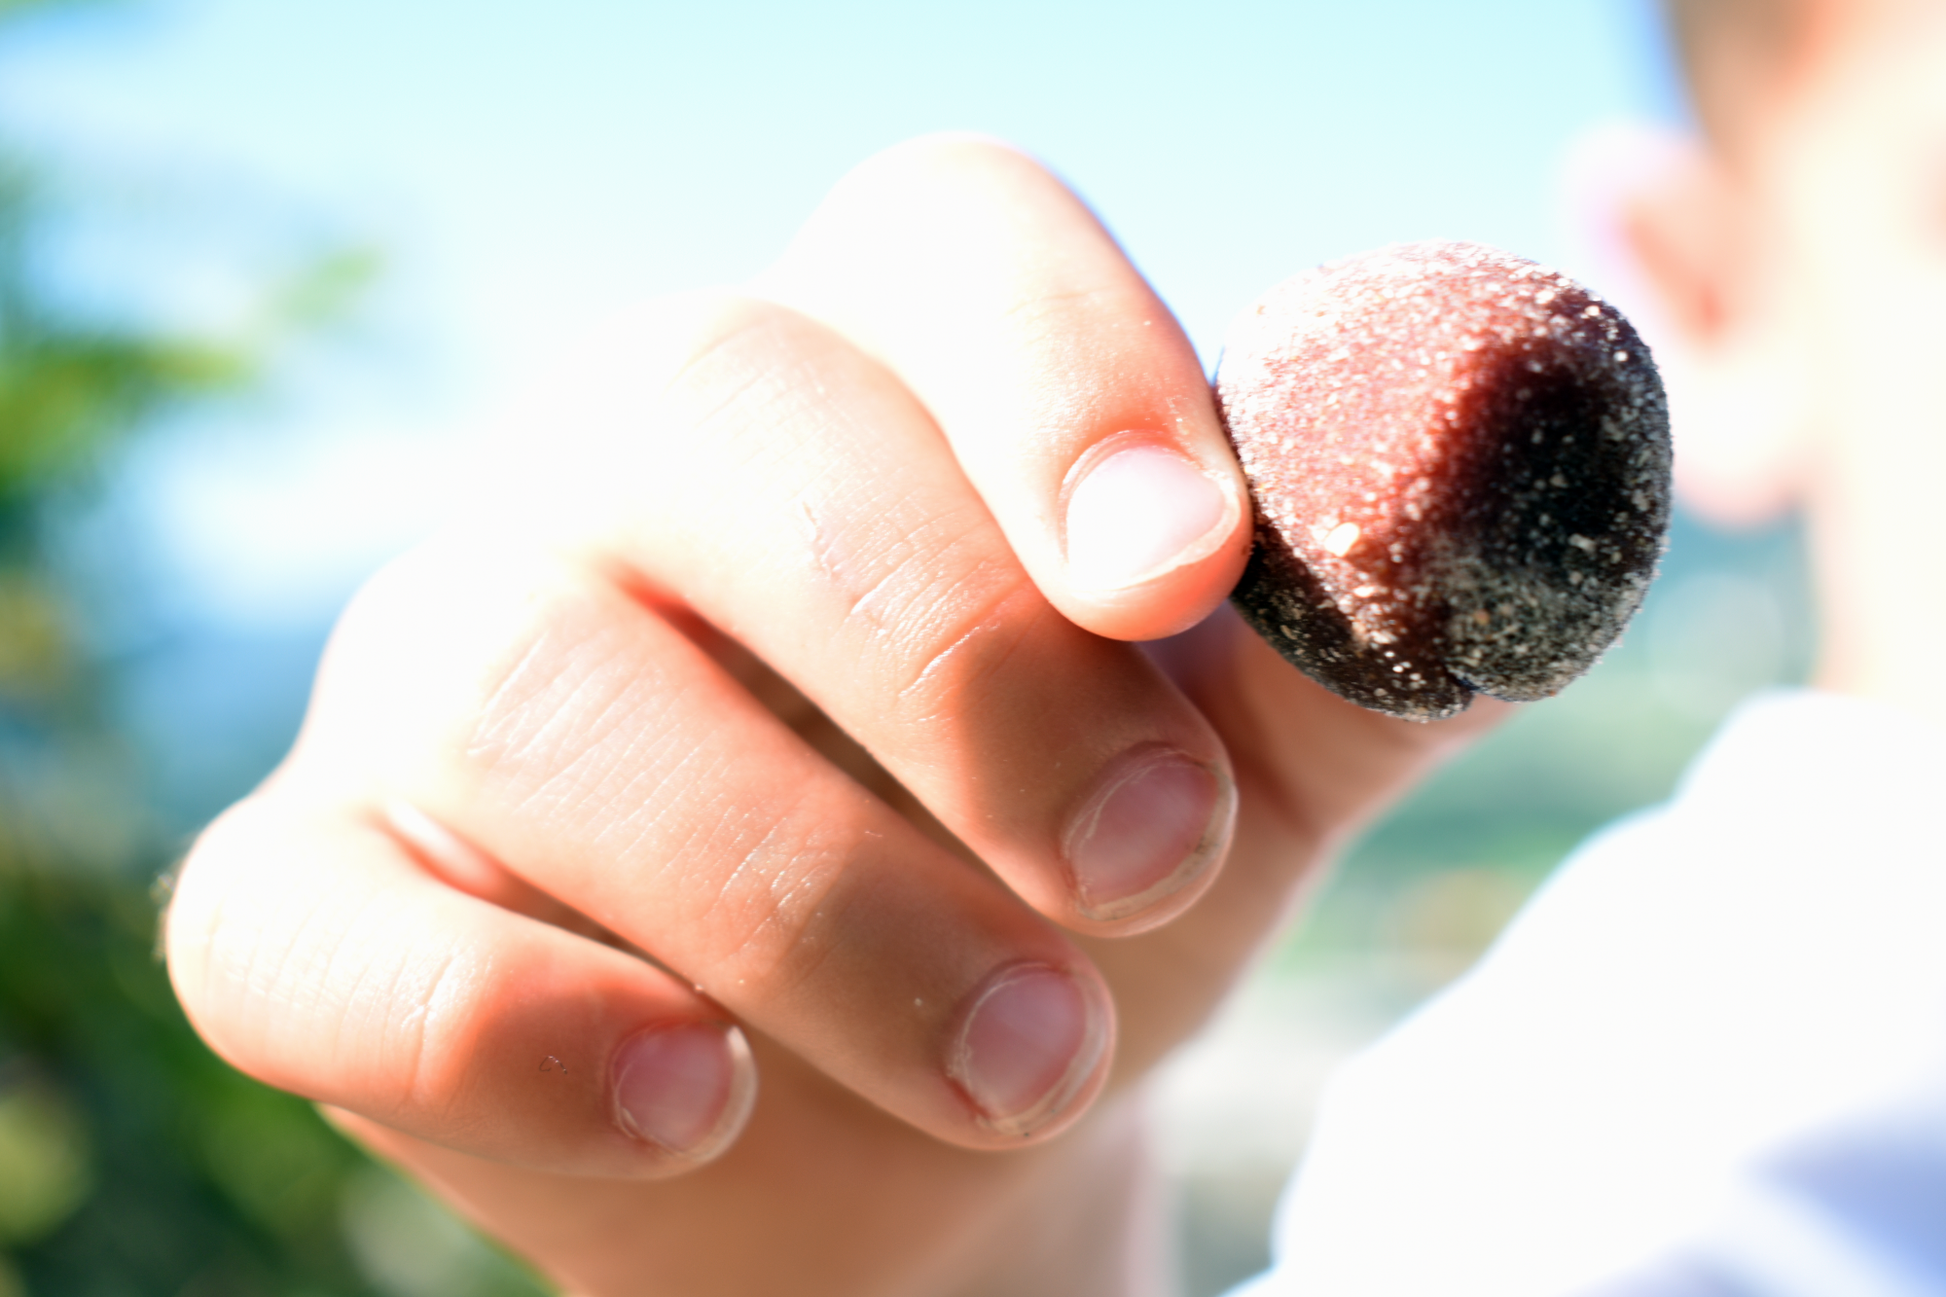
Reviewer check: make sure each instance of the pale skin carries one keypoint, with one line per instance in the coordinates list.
(797, 653)
(1800, 266)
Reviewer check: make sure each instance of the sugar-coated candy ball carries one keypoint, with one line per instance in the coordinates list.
(1460, 463)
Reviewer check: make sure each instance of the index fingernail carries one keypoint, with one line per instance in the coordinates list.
(1140, 511)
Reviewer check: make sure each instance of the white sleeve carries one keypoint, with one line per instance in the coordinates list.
(1708, 1060)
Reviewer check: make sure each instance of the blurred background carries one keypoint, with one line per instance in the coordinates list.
(266, 269)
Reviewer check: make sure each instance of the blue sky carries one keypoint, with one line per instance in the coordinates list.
(527, 168)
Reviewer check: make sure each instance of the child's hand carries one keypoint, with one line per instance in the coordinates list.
(793, 661)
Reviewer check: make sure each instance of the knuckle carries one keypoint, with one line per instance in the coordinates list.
(752, 383)
(566, 704)
(928, 599)
(763, 912)
(963, 643)
(741, 866)
(460, 660)
(332, 981)
(393, 647)
(943, 171)
(293, 971)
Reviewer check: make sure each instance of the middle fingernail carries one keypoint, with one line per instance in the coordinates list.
(1154, 823)
(1138, 511)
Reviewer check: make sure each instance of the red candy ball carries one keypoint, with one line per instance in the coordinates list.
(1460, 462)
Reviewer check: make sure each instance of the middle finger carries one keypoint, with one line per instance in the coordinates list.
(796, 495)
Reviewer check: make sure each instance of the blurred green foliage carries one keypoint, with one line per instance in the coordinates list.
(67, 388)
(135, 1161)
(132, 1159)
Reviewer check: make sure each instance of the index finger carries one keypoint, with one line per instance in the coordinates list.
(1069, 393)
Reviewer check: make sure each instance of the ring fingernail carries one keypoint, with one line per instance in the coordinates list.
(1153, 824)
(685, 1089)
(1029, 1045)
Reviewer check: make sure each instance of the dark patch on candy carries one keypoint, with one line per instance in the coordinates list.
(1460, 462)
